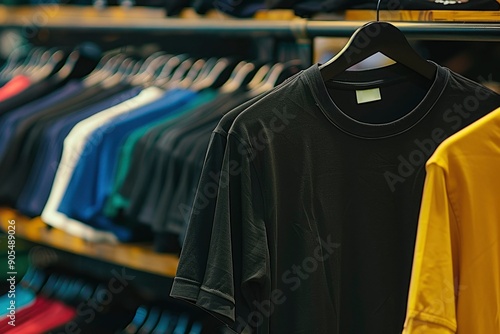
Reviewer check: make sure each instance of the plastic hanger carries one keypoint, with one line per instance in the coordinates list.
(376, 37)
(178, 74)
(149, 68)
(133, 70)
(48, 67)
(204, 72)
(218, 75)
(121, 73)
(278, 73)
(33, 58)
(79, 63)
(29, 60)
(13, 61)
(106, 65)
(109, 68)
(259, 76)
(38, 64)
(242, 74)
(190, 76)
(168, 70)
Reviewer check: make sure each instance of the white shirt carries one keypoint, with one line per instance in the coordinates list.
(74, 144)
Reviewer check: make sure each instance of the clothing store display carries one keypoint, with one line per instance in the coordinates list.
(85, 204)
(64, 304)
(455, 284)
(116, 202)
(207, 177)
(42, 172)
(294, 198)
(74, 145)
(8, 123)
(53, 126)
(24, 141)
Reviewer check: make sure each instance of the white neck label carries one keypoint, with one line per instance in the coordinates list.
(368, 95)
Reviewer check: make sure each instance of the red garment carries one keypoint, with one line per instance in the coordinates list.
(15, 86)
(43, 318)
(25, 314)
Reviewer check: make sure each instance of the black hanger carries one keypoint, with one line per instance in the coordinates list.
(376, 37)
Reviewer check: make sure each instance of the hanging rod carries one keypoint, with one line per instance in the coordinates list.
(37, 18)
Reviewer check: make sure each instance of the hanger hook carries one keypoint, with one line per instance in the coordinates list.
(378, 9)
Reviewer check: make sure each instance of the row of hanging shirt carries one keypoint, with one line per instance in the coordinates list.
(52, 301)
(306, 215)
(118, 153)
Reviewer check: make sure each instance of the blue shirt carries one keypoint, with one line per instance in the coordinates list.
(9, 121)
(92, 179)
(36, 191)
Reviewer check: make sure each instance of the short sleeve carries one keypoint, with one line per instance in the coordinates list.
(432, 297)
(237, 259)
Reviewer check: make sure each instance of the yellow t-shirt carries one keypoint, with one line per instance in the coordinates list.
(455, 282)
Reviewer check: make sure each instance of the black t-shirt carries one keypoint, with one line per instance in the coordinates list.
(33, 92)
(316, 209)
(143, 188)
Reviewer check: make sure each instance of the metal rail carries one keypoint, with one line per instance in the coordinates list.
(39, 18)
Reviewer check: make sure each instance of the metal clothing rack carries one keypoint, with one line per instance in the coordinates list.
(143, 20)
(299, 28)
